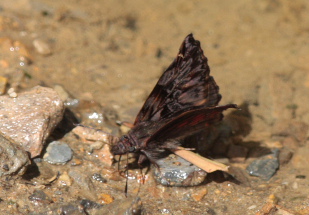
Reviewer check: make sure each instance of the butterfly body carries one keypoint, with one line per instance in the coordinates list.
(183, 102)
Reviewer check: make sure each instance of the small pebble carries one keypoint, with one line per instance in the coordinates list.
(99, 178)
(64, 179)
(41, 47)
(3, 83)
(251, 207)
(124, 129)
(88, 204)
(199, 194)
(83, 181)
(76, 162)
(63, 94)
(268, 208)
(58, 153)
(273, 144)
(39, 196)
(12, 93)
(105, 198)
(23, 52)
(217, 191)
(165, 211)
(70, 208)
(295, 185)
(95, 146)
(69, 100)
(272, 199)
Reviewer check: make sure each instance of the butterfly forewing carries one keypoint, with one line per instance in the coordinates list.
(184, 86)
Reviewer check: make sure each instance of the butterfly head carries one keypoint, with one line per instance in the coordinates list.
(124, 146)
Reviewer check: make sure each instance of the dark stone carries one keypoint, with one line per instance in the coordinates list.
(39, 196)
(13, 159)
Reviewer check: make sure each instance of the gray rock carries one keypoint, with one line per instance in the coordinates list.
(175, 171)
(13, 159)
(266, 166)
(29, 118)
(58, 153)
(39, 196)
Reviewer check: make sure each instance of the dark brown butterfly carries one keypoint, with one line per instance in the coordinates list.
(183, 102)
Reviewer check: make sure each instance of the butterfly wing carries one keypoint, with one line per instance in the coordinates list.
(189, 122)
(185, 85)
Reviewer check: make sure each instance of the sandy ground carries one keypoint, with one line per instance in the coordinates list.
(113, 52)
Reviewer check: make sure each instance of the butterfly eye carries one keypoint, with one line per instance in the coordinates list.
(132, 149)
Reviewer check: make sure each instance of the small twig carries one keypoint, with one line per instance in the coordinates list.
(199, 161)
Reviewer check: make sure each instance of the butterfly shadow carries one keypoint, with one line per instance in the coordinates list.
(224, 141)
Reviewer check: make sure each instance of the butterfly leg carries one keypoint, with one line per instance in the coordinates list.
(141, 160)
(152, 160)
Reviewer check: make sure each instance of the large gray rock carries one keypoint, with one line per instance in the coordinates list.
(29, 118)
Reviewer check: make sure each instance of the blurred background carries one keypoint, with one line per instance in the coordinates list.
(114, 51)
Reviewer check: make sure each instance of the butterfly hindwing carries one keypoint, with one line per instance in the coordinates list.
(189, 122)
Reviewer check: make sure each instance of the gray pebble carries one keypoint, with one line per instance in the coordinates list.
(82, 180)
(58, 153)
(265, 167)
(39, 196)
(98, 178)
